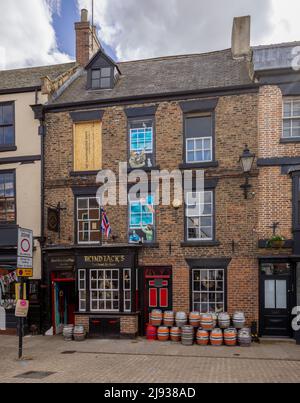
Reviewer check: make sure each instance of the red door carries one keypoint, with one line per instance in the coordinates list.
(157, 291)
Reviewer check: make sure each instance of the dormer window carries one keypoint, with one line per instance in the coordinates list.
(102, 72)
(101, 78)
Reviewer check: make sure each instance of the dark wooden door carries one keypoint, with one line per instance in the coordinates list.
(157, 291)
(276, 300)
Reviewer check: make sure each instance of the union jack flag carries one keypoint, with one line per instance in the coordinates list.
(105, 225)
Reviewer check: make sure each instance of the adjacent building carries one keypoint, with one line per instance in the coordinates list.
(22, 92)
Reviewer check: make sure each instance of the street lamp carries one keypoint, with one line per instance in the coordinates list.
(246, 161)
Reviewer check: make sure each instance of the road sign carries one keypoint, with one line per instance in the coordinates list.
(24, 272)
(22, 308)
(25, 262)
(25, 243)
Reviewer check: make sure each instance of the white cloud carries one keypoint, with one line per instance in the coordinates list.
(149, 28)
(27, 37)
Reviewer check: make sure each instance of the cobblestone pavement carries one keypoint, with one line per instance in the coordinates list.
(108, 361)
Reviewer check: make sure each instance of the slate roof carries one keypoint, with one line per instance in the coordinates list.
(164, 76)
(30, 77)
(276, 56)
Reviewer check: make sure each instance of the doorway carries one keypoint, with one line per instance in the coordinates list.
(157, 292)
(63, 303)
(276, 299)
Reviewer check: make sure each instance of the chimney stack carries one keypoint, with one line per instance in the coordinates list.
(87, 43)
(241, 36)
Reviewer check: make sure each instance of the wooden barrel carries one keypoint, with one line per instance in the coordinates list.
(68, 332)
(202, 337)
(169, 318)
(245, 338)
(175, 334)
(163, 333)
(156, 317)
(230, 337)
(224, 320)
(239, 320)
(207, 321)
(187, 335)
(79, 333)
(151, 332)
(216, 337)
(194, 319)
(181, 319)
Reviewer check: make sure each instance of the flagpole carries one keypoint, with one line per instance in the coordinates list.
(101, 229)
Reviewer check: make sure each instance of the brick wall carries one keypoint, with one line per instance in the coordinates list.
(236, 218)
(274, 189)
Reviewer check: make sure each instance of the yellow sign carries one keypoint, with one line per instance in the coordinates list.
(24, 272)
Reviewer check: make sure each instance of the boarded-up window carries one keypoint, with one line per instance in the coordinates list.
(87, 146)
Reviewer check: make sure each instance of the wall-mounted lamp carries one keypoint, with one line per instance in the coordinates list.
(247, 160)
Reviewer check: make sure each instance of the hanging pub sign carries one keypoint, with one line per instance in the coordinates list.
(53, 220)
(22, 308)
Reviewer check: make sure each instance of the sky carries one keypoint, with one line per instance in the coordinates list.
(40, 32)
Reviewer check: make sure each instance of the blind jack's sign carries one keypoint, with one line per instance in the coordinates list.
(94, 261)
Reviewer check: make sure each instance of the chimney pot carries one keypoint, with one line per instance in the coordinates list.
(84, 15)
(241, 37)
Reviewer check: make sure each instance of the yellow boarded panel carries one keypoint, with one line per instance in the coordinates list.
(87, 146)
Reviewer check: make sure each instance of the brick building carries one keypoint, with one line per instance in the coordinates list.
(193, 112)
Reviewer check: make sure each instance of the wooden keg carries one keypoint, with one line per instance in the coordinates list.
(151, 332)
(156, 317)
(245, 337)
(239, 320)
(175, 334)
(181, 319)
(163, 333)
(169, 318)
(224, 320)
(202, 337)
(187, 335)
(194, 319)
(230, 337)
(207, 321)
(216, 337)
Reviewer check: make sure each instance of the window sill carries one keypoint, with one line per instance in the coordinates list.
(146, 169)
(84, 173)
(199, 165)
(154, 245)
(4, 149)
(191, 244)
(290, 140)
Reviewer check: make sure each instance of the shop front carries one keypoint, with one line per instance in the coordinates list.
(279, 294)
(93, 287)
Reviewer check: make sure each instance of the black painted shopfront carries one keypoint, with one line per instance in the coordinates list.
(94, 286)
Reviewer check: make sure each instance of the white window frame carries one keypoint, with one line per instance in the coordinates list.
(80, 289)
(141, 149)
(200, 214)
(202, 150)
(98, 290)
(194, 292)
(289, 119)
(87, 221)
(127, 290)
